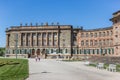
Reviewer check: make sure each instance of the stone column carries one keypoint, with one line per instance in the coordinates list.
(20, 42)
(52, 39)
(36, 39)
(41, 39)
(57, 40)
(46, 38)
(31, 39)
(25, 39)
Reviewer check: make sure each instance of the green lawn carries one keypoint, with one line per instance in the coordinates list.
(13, 69)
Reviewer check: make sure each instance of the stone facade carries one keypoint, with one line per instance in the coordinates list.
(45, 40)
(50, 41)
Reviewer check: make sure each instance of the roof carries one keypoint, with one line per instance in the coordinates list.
(116, 12)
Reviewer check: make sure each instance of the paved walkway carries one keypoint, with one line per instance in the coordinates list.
(58, 70)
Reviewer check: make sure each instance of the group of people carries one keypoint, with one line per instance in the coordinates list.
(37, 58)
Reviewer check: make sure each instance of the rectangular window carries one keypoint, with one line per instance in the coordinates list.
(55, 34)
(82, 34)
(34, 43)
(44, 35)
(50, 43)
(95, 34)
(95, 43)
(82, 43)
(91, 43)
(44, 42)
(91, 34)
(87, 43)
(39, 42)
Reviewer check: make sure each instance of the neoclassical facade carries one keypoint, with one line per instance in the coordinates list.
(50, 41)
(39, 40)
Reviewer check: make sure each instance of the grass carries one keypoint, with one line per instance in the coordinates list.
(13, 69)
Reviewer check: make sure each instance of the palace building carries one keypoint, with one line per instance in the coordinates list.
(49, 41)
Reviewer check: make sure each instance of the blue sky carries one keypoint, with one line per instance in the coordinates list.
(87, 13)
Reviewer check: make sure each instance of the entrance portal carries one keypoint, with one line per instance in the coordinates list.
(33, 51)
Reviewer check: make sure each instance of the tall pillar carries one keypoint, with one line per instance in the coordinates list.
(36, 39)
(52, 39)
(57, 39)
(46, 38)
(41, 39)
(20, 42)
(31, 39)
(25, 39)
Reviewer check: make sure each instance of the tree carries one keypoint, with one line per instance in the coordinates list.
(2, 51)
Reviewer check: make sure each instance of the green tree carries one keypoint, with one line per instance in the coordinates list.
(2, 51)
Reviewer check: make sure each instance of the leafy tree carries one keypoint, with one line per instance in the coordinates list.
(2, 51)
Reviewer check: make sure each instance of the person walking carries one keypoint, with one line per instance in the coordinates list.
(37, 58)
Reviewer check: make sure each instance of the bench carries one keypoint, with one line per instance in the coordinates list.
(112, 67)
(100, 66)
(87, 63)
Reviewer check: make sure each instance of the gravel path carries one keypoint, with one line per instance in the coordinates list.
(58, 70)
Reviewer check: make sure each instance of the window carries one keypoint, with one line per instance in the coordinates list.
(50, 43)
(103, 42)
(111, 41)
(100, 42)
(23, 43)
(82, 43)
(44, 35)
(103, 33)
(28, 35)
(95, 42)
(115, 21)
(91, 43)
(95, 34)
(107, 33)
(55, 34)
(99, 34)
(39, 35)
(111, 33)
(55, 42)
(44, 42)
(91, 34)
(82, 34)
(116, 36)
(29, 43)
(87, 35)
(39, 42)
(107, 41)
(87, 43)
(34, 43)
(49, 35)
(34, 35)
